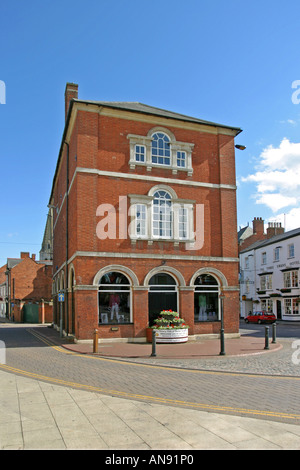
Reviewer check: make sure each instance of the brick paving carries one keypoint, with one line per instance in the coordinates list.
(215, 389)
(188, 379)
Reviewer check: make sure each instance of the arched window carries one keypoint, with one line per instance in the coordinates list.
(206, 299)
(160, 149)
(162, 295)
(162, 215)
(114, 298)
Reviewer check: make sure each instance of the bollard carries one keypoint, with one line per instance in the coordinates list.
(95, 345)
(274, 333)
(153, 343)
(267, 337)
(222, 343)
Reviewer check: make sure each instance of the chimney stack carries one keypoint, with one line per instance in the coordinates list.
(274, 228)
(258, 225)
(71, 92)
(24, 254)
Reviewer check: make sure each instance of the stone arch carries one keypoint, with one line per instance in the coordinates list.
(214, 272)
(117, 268)
(168, 270)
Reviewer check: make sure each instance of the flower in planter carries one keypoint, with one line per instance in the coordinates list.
(169, 319)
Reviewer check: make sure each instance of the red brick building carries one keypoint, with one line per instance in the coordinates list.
(247, 235)
(144, 218)
(28, 289)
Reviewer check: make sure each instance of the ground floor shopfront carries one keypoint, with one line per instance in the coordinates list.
(122, 299)
(285, 307)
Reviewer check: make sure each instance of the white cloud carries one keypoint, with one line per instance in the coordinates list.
(277, 177)
(289, 220)
(276, 201)
(289, 121)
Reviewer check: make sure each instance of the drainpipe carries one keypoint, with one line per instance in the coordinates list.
(67, 240)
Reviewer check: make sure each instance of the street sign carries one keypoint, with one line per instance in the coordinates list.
(61, 297)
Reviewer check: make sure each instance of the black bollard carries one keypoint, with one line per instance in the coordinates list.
(267, 337)
(274, 333)
(153, 343)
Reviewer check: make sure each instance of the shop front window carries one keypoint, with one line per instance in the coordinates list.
(162, 295)
(291, 306)
(267, 305)
(206, 299)
(114, 299)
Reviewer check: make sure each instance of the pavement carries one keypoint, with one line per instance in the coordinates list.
(36, 415)
(201, 347)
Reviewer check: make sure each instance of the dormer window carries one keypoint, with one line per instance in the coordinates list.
(160, 149)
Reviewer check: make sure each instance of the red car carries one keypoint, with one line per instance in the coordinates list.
(260, 317)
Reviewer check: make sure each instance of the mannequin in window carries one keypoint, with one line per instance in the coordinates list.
(202, 308)
(114, 302)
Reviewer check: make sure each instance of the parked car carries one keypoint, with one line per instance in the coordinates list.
(260, 317)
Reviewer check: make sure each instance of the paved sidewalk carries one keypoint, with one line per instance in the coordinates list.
(40, 415)
(244, 345)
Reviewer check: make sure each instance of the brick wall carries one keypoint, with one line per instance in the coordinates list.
(100, 142)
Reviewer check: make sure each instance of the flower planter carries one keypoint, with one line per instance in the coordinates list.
(169, 328)
(170, 335)
(167, 335)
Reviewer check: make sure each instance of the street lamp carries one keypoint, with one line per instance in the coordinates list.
(240, 147)
(222, 339)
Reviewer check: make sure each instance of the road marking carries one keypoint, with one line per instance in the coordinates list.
(50, 343)
(153, 366)
(158, 400)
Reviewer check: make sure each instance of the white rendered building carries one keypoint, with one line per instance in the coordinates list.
(270, 277)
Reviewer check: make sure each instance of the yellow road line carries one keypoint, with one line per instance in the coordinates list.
(50, 343)
(153, 366)
(158, 400)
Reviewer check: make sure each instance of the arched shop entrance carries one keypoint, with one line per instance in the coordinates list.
(163, 295)
(206, 299)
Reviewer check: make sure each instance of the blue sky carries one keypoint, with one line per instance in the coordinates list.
(230, 62)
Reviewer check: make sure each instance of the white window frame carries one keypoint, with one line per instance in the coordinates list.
(176, 147)
(165, 149)
(276, 253)
(138, 154)
(290, 279)
(178, 226)
(267, 305)
(266, 282)
(162, 215)
(181, 158)
(291, 306)
(291, 250)
(141, 220)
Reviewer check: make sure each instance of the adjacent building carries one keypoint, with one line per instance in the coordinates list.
(2, 291)
(248, 235)
(143, 210)
(25, 289)
(269, 276)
